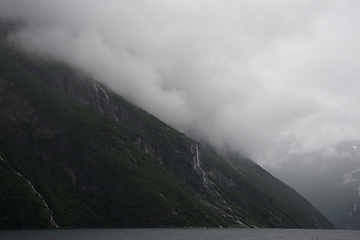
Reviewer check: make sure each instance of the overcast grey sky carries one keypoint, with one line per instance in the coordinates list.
(271, 78)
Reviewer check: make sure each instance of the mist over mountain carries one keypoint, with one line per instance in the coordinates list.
(276, 81)
(73, 153)
(329, 179)
(267, 78)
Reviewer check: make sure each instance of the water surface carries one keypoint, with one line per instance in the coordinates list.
(176, 234)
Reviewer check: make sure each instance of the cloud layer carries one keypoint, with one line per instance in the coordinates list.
(267, 78)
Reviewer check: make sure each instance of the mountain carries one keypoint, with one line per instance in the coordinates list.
(75, 154)
(331, 188)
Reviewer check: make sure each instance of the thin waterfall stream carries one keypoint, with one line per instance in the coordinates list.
(45, 204)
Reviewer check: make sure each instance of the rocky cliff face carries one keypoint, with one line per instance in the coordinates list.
(91, 94)
(96, 160)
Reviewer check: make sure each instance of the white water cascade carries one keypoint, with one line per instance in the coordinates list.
(196, 158)
(350, 214)
(45, 204)
(197, 162)
(96, 99)
(349, 224)
(97, 87)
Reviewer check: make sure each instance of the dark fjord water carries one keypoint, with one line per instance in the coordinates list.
(177, 234)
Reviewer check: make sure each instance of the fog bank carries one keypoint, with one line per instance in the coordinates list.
(267, 78)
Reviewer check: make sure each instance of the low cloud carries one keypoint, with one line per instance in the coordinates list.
(267, 78)
(352, 176)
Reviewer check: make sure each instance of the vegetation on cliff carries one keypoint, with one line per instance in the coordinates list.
(98, 161)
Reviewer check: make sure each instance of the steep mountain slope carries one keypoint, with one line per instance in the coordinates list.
(75, 154)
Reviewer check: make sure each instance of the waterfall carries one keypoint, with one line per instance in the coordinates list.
(97, 100)
(1, 159)
(195, 151)
(107, 97)
(196, 157)
(350, 215)
(355, 206)
(97, 87)
(45, 204)
(108, 102)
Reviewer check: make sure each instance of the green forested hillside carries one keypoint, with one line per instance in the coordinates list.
(258, 194)
(89, 152)
(98, 161)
